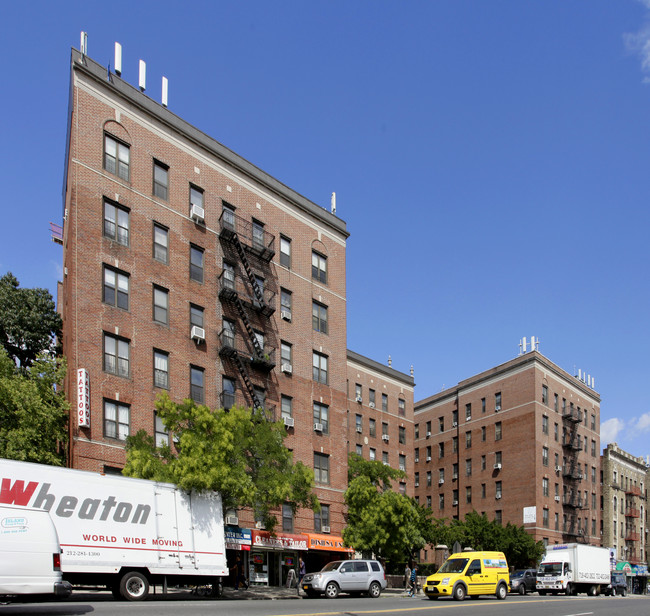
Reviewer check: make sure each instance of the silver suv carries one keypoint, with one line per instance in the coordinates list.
(351, 576)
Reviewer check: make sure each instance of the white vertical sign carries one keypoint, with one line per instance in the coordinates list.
(83, 398)
(530, 515)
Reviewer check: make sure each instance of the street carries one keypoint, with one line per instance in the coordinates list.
(175, 604)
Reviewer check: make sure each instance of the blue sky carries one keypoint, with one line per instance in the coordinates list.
(490, 159)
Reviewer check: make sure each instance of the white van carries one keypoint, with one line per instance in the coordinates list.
(31, 554)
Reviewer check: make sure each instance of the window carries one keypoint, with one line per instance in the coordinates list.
(454, 471)
(160, 434)
(416, 431)
(161, 369)
(429, 453)
(371, 397)
(372, 427)
(359, 449)
(319, 267)
(544, 394)
(556, 431)
(286, 351)
(160, 305)
(116, 355)
(545, 517)
(441, 501)
(196, 263)
(593, 475)
(441, 476)
(545, 491)
(483, 433)
(286, 406)
(384, 403)
(116, 157)
(357, 392)
(160, 243)
(228, 393)
(258, 235)
(227, 334)
(228, 217)
(322, 518)
(545, 456)
(319, 317)
(285, 251)
(428, 479)
(417, 454)
(402, 435)
(544, 424)
(320, 416)
(593, 447)
(497, 401)
(497, 489)
(483, 462)
(116, 222)
(196, 384)
(468, 467)
(441, 450)
(454, 444)
(454, 419)
(196, 316)
(401, 407)
(116, 288)
(287, 518)
(321, 468)
(116, 420)
(468, 412)
(483, 490)
(483, 405)
(384, 428)
(417, 479)
(319, 365)
(402, 462)
(196, 196)
(373, 453)
(498, 516)
(160, 179)
(497, 431)
(468, 494)
(384, 457)
(285, 304)
(468, 440)
(593, 422)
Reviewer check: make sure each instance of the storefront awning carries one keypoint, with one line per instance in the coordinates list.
(327, 542)
(624, 566)
(284, 541)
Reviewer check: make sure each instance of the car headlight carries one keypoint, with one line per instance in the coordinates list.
(317, 576)
(445, 581)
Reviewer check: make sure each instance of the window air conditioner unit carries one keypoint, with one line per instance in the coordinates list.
(318, 427)
(557, 499)
(402, 468)
(428, 458)
(232, 520)
(288, 422)
(558, 469)
(441, 481)
(287, 368)
(454, 424)
(359, 429)
(428, 434)
(259, 524)
(384, 437)
(359, 399)
(371, 405)
(286, 315)
(198, 333)
(497, 466)
(417, 484)
(325, 529)
(454, 504)
(498, 497)
(386, 464)
(197, 213)
(497, 408)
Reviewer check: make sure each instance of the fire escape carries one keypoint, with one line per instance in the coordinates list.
(572, 501)
(248, 303)
(632, 513)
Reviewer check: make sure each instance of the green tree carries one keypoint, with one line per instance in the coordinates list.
(29, 323)
(237, 452)
(33, 410)
(380, 521)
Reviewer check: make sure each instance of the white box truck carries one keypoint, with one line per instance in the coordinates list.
(30, 554)
(122, 533)
(571, 568)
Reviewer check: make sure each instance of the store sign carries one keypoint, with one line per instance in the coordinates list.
(83, 398)
(327, 542)
(263, 539)
(237, 538)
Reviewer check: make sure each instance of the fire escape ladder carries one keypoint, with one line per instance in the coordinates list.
(247, 381)
(259, 352)
(249, 272)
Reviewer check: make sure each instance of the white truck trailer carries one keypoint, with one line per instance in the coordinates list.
(571, 568)
(125, 534)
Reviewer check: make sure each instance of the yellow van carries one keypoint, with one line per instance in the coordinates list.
(470, 573)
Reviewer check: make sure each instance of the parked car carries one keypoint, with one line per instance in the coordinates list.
(523, 581)
(349, 576)
(617, 584)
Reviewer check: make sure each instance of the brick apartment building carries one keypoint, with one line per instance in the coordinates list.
(624, 505)
(188, 270)
(521, 437)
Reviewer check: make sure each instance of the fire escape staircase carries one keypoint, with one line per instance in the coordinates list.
(572, 473)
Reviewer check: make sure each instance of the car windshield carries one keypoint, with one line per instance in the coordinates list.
(454, 565)
(332, 566)
(517, 574)
(550, 569)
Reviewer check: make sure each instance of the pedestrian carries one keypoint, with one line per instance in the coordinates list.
(236, 571)
(302, 570)
(414, 581)
(407, 577)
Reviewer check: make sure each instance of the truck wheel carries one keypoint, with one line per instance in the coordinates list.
(134, 586)
(571, 590)
(522, 589)
(331, 590)
(375, 590)
(623, 592)
(459, 592)
(216, 589)
(541, 593)
(502, 591)
(593, 591)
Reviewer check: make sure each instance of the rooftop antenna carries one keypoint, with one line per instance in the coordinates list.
(534, 343)
(165, 89)
(143, 76)
(412, 371)
(333, 203)
(523, 346)
(118, 59)
(390, 361)
(84, 43)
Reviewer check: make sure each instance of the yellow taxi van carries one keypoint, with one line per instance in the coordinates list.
(470, 573)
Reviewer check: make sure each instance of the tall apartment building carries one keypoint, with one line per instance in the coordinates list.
(380, 407)
(624, 504)
(519, 443)
(190, 271)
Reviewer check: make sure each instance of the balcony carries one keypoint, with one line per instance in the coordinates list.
(252, 237)
(632, 536)
(631, 512)
(230, 344)
(572, 500)
(633, 491)
(573, 442)
(572, 472)
(231, 287)
(572, 415)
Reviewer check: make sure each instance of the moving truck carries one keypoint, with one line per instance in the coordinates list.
(123, 533)
(572, 568)
(30, 555)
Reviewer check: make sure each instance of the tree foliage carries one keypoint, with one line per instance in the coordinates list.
(380, 521)
(479, 533)
(29, 323)
(236, 452)
(33, 410)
